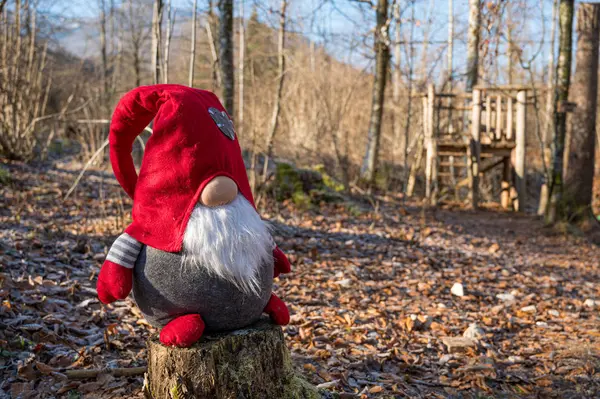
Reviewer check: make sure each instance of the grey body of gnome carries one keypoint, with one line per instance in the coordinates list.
(164, 289)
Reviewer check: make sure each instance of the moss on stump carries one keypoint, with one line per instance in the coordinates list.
(249, 363)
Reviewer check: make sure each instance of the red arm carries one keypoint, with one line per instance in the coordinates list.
(116, 276)
(282, 264)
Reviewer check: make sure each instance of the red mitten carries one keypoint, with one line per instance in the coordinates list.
(282, 264)
(114, 282)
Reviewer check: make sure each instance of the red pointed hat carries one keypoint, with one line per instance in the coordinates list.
(193, 141)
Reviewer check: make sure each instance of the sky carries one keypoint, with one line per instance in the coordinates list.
(345, 26)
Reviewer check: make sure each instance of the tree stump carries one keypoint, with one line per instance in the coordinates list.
(249, 363)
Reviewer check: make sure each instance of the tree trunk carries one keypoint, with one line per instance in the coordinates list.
(397, 83)
(579, 170)
(248, 363)
(473, 44)
(115, 52)
(408, 188)
(414, 168)
(156, 39)
(431, 164)
(450, 65)
(193, 46)
(170, 25)
(560, 115)
(472, 78)
(104, 52)
(450, 82)
(520, 153)
(226, 53)
(548, 125)
(242, 50)
(278, 94)
(425, 48)
(510, 50)
(381, 65)
(137, 68)
(551, 77)
(474, 150)
(216, 71)
(137, 35)
(116, 77)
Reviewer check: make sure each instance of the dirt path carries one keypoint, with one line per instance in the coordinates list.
(370, 293)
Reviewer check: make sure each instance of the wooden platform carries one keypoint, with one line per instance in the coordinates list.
(460, 148)
(488, 123)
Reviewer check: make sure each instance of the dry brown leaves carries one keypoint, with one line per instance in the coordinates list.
(373, 314)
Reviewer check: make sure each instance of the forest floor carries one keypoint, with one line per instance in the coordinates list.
(376, 305)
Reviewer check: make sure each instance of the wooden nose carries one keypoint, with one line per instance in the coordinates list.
(219, 191)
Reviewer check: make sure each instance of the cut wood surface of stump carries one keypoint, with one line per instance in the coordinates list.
(243, 364)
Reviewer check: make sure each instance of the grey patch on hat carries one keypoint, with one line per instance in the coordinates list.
(223, 122)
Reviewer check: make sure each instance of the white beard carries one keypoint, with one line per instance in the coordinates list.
(229, 241)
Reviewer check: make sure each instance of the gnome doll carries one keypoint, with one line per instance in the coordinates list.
(197, 254)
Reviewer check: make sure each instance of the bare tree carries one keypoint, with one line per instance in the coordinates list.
(579, 169)
(210, 28)
(381, 69)
(560, 109)
(510, 51)
(26, 80)
(118, 59)
(473, 38)
(170, 24)
(450, 65)
(242, 55)
(422, 85)
(397, 80)
(103, 50)
(473, 43)
(551, 75)
(193, 45)
(138, 34)
(157, 15)
(24, 83)
(546, 138)
(280, 81)
(226, 53)
(410, 176)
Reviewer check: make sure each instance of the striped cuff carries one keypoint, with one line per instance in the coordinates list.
(124, 251)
